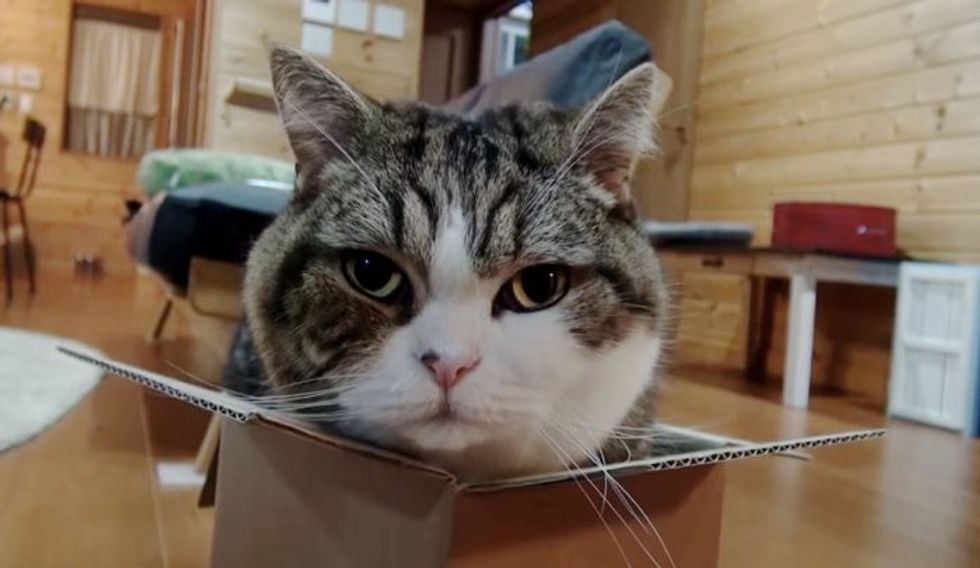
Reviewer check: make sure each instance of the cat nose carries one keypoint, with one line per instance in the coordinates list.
(447, 371)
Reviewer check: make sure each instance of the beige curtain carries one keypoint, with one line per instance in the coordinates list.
(114, 89)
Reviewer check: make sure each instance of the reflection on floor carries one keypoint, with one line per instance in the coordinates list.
(85, 492)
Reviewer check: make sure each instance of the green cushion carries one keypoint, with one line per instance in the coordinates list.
(165, 170)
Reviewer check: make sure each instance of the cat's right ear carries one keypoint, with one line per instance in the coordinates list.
(321, 113)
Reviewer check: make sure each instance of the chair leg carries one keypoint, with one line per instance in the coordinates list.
(208, 447)
(8, 265)
(161, 320)
(28, 246)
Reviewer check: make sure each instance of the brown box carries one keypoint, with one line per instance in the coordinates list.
(291, 495)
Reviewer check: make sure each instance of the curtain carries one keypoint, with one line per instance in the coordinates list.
(114, 89)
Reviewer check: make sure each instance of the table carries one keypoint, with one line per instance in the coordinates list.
(803, 270)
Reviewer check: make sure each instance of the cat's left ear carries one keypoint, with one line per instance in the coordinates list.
(321, 113)
(615, 130)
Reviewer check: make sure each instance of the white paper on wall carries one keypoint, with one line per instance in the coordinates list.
(6, 75)
(317, 39)
(320, 11)
(29, 77)
(353, 14)
(389, 21)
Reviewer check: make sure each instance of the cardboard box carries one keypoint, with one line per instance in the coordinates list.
(291, 495)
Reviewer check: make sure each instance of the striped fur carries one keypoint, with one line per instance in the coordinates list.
(460, 205)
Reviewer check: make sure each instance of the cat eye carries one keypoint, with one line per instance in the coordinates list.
(374, 275)
(535, 288)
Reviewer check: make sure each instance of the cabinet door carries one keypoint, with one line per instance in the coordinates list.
(934, 357)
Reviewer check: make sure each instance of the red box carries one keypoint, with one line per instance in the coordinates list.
(834, 227)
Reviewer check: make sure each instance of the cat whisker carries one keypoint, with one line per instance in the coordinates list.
(301, 394)
(187, 374)
(576, 156)
(639, 541)
(599, 512)
(627, 499)
(294, 108)
(678, 108)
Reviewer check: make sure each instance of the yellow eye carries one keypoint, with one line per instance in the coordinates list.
(535, 288)
(375, 275)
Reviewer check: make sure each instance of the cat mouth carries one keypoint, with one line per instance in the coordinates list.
(447, 414)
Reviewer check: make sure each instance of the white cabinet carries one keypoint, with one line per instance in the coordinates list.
(934, 372)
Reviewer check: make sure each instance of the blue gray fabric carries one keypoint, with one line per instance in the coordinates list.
(217, 221)
(702, 233)
(569, 75)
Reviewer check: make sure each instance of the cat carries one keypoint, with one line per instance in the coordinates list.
(472, 291)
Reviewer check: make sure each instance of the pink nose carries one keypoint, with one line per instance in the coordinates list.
(447, 371)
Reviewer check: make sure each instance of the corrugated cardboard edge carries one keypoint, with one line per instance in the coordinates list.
(202, 397)
(692, 459)
(241, 410)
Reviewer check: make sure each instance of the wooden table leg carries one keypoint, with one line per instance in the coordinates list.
(760, 328)
(799, 340)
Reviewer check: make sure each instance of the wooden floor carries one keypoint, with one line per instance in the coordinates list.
(84, 493)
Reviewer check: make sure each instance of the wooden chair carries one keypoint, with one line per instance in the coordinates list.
(34, 133)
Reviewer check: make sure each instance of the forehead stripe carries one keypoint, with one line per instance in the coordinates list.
(396, 210)
(428, 204)
(416, 145)
(489, 225)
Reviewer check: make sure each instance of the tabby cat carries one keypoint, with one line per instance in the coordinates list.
(472, 291)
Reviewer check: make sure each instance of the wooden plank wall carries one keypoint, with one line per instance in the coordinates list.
(242, 32)
(77, 206)
(864, 101)
(673, 29)
(870, 101)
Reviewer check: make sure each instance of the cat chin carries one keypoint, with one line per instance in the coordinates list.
(489, 458)
(446, 435)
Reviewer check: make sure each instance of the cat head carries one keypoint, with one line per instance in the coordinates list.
(469, 290)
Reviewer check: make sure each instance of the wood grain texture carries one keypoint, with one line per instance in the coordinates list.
(37, 32)
(242, 32)
(673, 29)
(868, 102)
(88, 483)
(910, 499)
(862, 102)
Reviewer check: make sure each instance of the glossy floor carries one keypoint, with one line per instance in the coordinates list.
(84, 493)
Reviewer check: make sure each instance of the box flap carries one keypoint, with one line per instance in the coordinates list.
(241, 410)
(694, 450)
(688, 448)
(200, 396)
